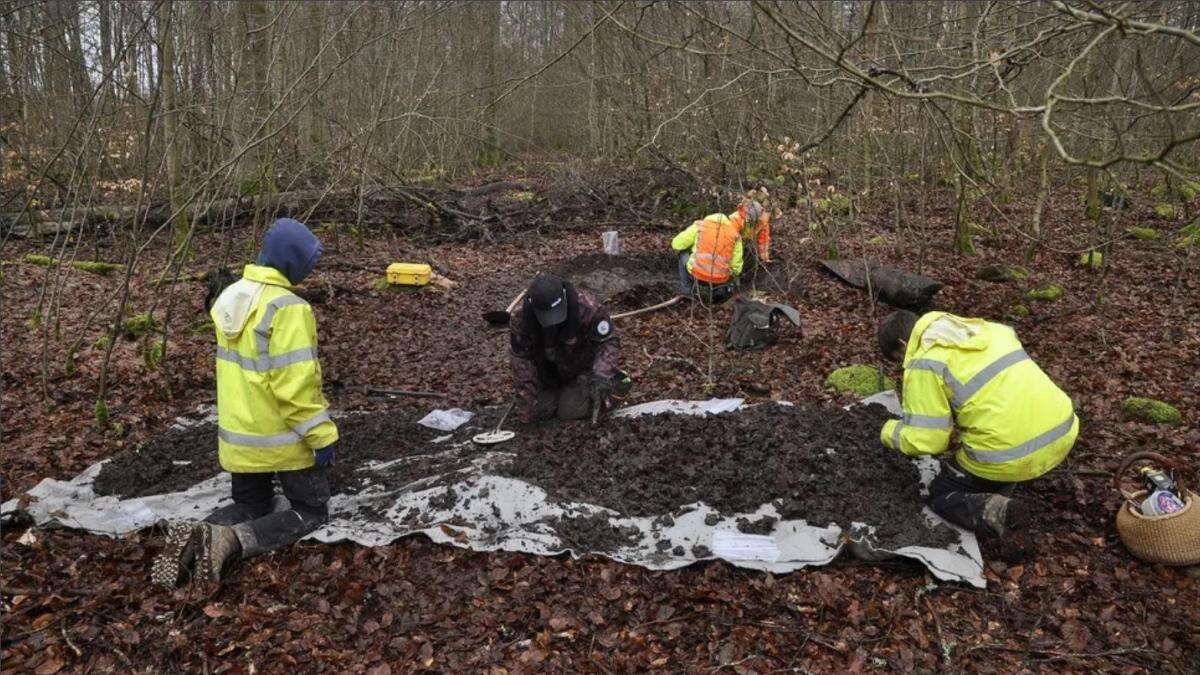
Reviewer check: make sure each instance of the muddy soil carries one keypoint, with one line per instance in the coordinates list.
(624, 282)
(593, 533)
(170, 462)
(822, 464)
(179, 458)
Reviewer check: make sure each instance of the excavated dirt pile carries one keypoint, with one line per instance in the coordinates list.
(822, 464)
(179, 458)
(625, 282)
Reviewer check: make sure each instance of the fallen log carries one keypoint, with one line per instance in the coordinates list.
(888, 284)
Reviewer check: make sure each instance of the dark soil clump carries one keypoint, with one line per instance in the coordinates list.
(822, 464)
(170, 462)
(764, 525)
(593, 533)
(180, 458)
(624, 282)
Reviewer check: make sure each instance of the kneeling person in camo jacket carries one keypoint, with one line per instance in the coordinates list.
(1014, 424)
(272, 416)
(565, 352)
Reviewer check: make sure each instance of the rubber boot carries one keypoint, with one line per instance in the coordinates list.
(995, 515)
(218, 546)
(173, 565)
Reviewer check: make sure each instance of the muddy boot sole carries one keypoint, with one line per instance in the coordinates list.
(204, 562)
(173, 565)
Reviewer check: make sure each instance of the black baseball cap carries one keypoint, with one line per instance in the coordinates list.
(548, 298)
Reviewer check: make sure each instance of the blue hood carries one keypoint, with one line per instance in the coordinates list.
(291, 248)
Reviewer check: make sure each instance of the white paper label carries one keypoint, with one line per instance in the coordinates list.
(737, 546)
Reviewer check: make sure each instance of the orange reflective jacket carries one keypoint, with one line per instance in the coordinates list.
(716, 237)
(760, 234)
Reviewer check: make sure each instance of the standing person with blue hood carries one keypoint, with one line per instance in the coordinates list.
(272, 418)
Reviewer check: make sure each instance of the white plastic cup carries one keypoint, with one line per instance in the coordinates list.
(1161, 503)
(611, 241)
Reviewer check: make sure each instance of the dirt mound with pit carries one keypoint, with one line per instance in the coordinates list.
(624, 282)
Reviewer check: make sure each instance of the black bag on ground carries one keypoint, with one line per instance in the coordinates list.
(752, 325)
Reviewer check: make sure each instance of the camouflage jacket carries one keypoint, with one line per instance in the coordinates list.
(586, 343)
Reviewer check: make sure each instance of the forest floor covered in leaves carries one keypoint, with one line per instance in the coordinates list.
(1077, 600)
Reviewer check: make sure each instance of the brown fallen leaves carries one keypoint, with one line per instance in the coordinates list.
(1073, 600)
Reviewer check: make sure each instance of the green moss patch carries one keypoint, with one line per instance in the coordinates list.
(97, 267)
(1002, 273)
(1047, 293)
(36, 259)
(1091, 259)
(860, 380)
(1143, 233)
(1020, 310)
(1150, 410)
(138, 325)
(1165, 211)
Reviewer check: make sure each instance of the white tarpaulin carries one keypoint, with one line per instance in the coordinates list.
(488, 512)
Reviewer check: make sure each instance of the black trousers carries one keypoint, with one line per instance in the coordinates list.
(258, 528)
(959, 496)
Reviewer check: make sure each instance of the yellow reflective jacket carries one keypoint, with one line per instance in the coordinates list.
(1014, 423)
(686, 241)
(271, 413)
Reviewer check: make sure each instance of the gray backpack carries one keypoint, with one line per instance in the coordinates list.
(753, 323)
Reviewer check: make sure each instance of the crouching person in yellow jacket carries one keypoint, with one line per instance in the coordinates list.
(1014, 424)
(272, 418)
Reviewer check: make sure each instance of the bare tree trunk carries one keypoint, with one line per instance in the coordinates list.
(171, 137)
(490, 150)
(255, 176)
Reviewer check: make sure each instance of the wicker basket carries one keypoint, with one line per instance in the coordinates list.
(1173, 539)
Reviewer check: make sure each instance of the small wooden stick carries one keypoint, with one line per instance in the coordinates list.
(651, 308)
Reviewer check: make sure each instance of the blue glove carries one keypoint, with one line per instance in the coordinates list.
(324, 456)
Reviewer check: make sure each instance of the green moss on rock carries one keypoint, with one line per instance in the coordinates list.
(1143, 233)
(38, 259)
(138, 325)
(1150, 410)
(97, 267)
(1165, 211)
(1091, 259)
(1020, 310)
(1001, 273)
(1047, 293)
(860, 380)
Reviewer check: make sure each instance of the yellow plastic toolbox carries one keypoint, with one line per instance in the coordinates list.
(408, 274)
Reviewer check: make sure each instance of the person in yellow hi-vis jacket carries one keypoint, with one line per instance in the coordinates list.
(272, 417)
(1014, 424)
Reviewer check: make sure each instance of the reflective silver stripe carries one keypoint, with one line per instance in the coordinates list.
(984, 376)
(307, 425)
(1023, 450)
(226, 354)
(276, 440)
(942, 369)
(960, 393)
(928, 421)
(262, 332)
(295, 356)
(896, 435)
(263, 364)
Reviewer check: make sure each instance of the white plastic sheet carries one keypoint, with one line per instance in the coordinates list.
(493, 512)
(446, 420)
